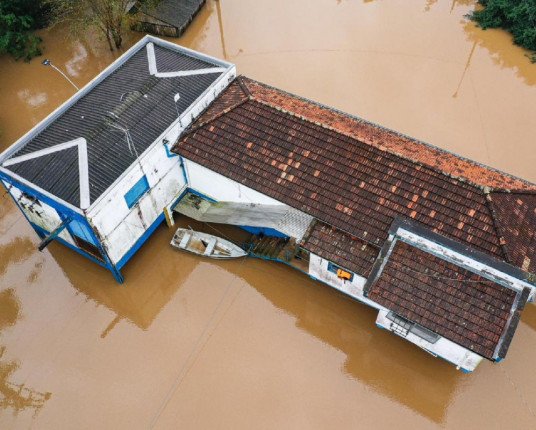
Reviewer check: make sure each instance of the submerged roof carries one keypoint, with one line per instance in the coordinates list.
(445, 292)
(177, 13)
(358, 177)
(97, 135)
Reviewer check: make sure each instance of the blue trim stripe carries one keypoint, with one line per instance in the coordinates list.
(74, 248)
(266, 231)
(169, 153)
(130, 253)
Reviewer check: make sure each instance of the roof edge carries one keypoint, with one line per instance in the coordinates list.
(462, 249)
(531, 186)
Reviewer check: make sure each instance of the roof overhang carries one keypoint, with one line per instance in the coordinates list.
(147, 40)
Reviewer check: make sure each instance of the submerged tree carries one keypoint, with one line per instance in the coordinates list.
(109, 17)
(516, 16)
(18, 19)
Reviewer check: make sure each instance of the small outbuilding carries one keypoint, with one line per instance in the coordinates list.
(167, 18)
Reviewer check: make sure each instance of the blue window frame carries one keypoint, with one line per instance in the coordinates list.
(82, 231)
(137, 191)
(340, 272)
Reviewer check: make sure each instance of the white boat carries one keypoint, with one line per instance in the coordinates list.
(205, 244)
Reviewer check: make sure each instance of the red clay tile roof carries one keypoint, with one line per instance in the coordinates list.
(341, 248)
(515, 218)
(386, 139)
(353, 175)
(451, 301)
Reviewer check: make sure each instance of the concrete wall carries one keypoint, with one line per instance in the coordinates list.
(458, 355)
(39, 213)
(120, 227)
(318, 269)
(241, 205)
(221, 188)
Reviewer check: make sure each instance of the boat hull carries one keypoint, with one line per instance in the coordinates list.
(205, 245)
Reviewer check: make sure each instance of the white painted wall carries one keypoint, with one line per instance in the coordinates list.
(120, 227)
(41, 214)
(221, 188)
(444, 348)
(318, 269)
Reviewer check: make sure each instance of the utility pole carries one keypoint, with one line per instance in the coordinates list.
(47, 62)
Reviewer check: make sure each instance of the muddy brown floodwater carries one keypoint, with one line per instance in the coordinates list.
(191, 343)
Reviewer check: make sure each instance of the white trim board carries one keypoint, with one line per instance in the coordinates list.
(83, 172)
(153, 68)
(225, 68)
(463, 261)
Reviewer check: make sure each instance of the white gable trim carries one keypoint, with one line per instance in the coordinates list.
(81, 143)
(153, 70)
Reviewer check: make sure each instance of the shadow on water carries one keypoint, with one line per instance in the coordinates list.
(384, 362)
(529, 316)
(388, 364)
(152, 278)
(499, 45)
(15, 251)
(16, 397)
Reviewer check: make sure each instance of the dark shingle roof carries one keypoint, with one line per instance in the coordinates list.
(143, 103)
(350, 174)
(177, 13)
(453, 302)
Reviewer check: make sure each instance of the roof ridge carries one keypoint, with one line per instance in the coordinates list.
(243, 86)
(516, 192)
(225, 111)
(498, 230)
(531, 186)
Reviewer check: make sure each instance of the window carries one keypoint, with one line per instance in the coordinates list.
(400, 323)
(341, 273)
(137, 191)
(84, 239)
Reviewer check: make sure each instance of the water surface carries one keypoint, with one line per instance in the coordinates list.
(191, 343)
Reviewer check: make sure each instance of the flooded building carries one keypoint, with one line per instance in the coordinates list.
(166, 18)
(375, 198)
(97, 173)
(442, 247)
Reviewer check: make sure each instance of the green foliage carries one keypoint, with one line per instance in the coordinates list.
(109, 17)
(18, 19)
(516, 16)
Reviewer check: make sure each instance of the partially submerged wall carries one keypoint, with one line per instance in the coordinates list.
(237, 204)
(318, 269)
(120, 227)
(38, 212)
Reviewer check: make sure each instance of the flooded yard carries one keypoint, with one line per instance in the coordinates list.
(193, 343)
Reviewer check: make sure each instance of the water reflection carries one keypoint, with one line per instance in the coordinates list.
(13, 396)
(390, 365)
(500, 46)
(32, 99)
(15, 251)
(152, 279)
